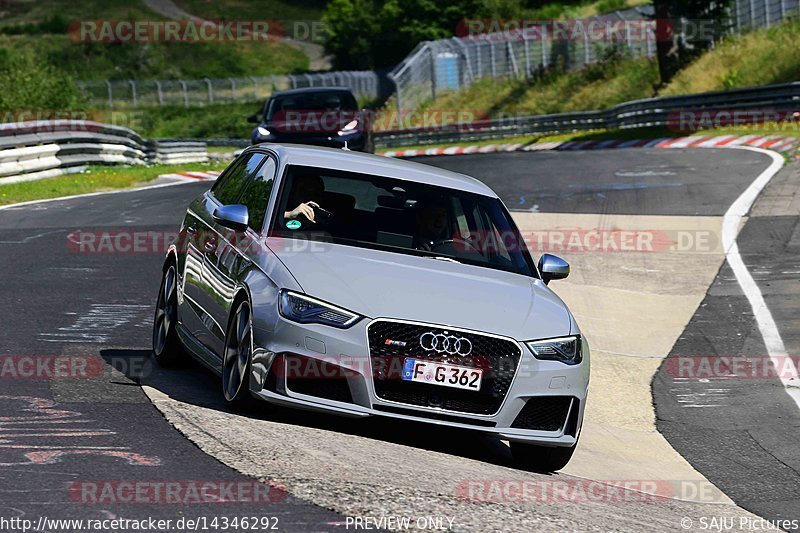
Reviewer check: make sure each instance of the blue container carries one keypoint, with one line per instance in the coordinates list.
(447, 75)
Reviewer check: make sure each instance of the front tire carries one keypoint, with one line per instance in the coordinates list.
(542, 459)
(237, 356)
(167, 349)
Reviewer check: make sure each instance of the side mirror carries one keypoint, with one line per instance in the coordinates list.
(552, 267)
(253, 119)
(233, 216)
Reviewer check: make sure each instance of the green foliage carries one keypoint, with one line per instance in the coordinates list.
(217, 121)
(27, 83)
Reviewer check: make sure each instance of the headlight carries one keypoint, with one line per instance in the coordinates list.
(264, 132)
(349, 128)
(564, 349)
(308, 310)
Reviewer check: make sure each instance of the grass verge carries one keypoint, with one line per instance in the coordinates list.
(95, 179)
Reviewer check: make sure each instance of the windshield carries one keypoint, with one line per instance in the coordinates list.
(280, 106)
(398, 216)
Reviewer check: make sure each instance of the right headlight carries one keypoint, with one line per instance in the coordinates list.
(568, 350)
(307, 310)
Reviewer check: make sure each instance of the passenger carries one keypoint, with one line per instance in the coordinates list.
(306, 193)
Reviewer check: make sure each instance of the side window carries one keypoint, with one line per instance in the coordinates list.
(228, 190)
(256, 196)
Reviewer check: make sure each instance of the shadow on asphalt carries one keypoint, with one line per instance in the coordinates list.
(196, 385)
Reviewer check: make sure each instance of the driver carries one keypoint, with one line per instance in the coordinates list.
(307, 190)
(431, 222)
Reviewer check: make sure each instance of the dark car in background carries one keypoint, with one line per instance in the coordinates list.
(320, 116)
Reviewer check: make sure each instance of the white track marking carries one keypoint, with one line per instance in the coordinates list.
(177, 181)
(730, 230)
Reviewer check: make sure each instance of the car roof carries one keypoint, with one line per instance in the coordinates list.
(337, 159)
(307, 90)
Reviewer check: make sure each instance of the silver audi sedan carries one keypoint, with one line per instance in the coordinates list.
(360, 285)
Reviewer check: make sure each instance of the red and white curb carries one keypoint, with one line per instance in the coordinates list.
(771, 142)
(205, 175)
(454, 150)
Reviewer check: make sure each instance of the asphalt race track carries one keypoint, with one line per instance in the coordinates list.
(59, 435)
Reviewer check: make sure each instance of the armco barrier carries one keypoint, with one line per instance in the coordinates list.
(36, 150)
(648, 112)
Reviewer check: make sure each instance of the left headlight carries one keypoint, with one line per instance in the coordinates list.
(568, 350)
(264, 132)
(307, 310)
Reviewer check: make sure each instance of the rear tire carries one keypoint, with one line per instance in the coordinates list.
(237, 357)
(542, 459)
(167, 349)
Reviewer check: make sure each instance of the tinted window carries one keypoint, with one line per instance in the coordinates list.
(325, 101)
(256, 196)
(399, 216)
(230, 186)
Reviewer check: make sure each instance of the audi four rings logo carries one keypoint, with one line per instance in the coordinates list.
(442, 343)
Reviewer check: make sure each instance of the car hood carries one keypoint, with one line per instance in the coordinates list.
(382, 284)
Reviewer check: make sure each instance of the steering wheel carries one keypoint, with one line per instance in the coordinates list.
(467, 246)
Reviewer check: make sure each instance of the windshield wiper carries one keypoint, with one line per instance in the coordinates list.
(442, 258)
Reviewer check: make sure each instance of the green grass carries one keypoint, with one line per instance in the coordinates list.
(93, 61)
(21, 12)
(580, 8)
(596, 87)
(213, 121)
(93, 180)
(757, 58)
(761, 57)
(282, 10)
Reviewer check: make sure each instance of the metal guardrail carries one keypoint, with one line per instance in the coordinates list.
(37, 150)
(116, 93)
(635, 114)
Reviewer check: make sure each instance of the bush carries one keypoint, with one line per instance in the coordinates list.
(29, 83)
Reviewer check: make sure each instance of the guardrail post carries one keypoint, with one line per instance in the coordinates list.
(783, 9)
(586, 53)
(433, 74)
(133, 93)
(110, 94)
(752, 13)
(160, 93)
(527, 55)
(766, 12)
(210, 90)
(493, 60)
(544, 46)
(185, 93)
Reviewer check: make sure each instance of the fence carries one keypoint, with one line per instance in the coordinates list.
(636, 114)
(750, 14)
(124, 93)
(434, 67)
(450, 64)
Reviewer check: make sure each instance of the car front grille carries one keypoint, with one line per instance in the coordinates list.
(544, 413)
(392, 342)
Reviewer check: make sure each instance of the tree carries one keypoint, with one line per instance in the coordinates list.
(705, 21)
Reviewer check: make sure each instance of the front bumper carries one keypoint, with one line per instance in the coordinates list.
(329, 370)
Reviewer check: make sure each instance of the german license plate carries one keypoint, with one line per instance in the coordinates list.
(459, 377)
